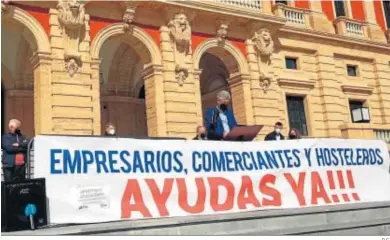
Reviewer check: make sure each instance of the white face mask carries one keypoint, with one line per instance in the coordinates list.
(111, 131)
(277, 131)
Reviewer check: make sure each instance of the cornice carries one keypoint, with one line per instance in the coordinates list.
(335, 37)
(357, 89)
(295, 81)
(228, 10)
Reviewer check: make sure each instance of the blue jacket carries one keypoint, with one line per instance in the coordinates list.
(217, 133)
(9, 151)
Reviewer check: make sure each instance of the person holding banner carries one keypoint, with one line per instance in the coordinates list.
(220, 119)
(14, 146)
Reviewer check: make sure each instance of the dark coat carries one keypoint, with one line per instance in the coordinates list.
(217, 133)
(272, 136)
(9, 151)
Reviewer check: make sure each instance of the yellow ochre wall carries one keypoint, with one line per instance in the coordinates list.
(67, 102)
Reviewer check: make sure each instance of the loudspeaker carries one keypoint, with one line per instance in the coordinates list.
(15, 197)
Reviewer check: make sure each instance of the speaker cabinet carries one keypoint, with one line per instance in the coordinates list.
(15, 196)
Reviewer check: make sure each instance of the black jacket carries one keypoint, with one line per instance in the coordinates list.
(9, 151)
(272, 136)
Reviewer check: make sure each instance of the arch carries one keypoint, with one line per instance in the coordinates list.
(116, 30)
(212, 43)
(19, 15)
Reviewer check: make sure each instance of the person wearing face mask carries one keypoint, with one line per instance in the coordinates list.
(220, 119)
(110, 130)
(294, 134)
(14, 146)
(200, 133)
(275, 135)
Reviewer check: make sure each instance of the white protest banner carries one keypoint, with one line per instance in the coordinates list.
(92, 179)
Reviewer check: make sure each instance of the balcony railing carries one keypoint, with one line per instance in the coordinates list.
(350, 27)
(354, 28)
(382, 135)
(294, 16)
(251, 4)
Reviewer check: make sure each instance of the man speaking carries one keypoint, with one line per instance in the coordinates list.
(220, 119)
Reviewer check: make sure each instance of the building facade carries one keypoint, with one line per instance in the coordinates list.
(152, 68)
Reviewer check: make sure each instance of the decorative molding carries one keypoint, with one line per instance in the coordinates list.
(222, 33)
(38, 59)
(181, 74)
(263, 42)
(180, 32)
(289, 81)
(128, 17)
(228, 46)
(357, 89)
(265, 81)
(180, 35)
(71, 15)
(117, 30)
(28, 21)
(72, 65)
(151, 70)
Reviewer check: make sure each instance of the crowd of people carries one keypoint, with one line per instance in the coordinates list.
(219, 121)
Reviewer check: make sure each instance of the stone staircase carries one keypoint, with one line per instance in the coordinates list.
(353, 219)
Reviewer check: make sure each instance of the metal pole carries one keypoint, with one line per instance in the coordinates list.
(29, 158)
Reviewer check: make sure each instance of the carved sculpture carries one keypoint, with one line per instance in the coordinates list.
(265, 81)
(71, 66)
(181, 74)
(180, 32)
(128, 17)
(263, 42)
(222, 33)
(71, 15)
(180, 35)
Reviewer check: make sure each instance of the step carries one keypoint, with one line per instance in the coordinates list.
(311, 220)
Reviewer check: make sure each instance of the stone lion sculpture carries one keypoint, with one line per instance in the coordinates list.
(71, 13)
(264, 42)
(180, 32)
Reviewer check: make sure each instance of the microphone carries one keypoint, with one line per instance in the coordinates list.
(29, 211)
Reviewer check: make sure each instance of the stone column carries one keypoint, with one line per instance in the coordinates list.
(375, 32)
(240, 89)
(74, 85)
(43, 99)
(382, 89)
(265, 98)
(182, 103)
(155, 100)
(330, 94)
(95, 87)
(318, 20)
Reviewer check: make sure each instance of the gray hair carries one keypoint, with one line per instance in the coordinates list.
(224, 94)
(14, 122)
